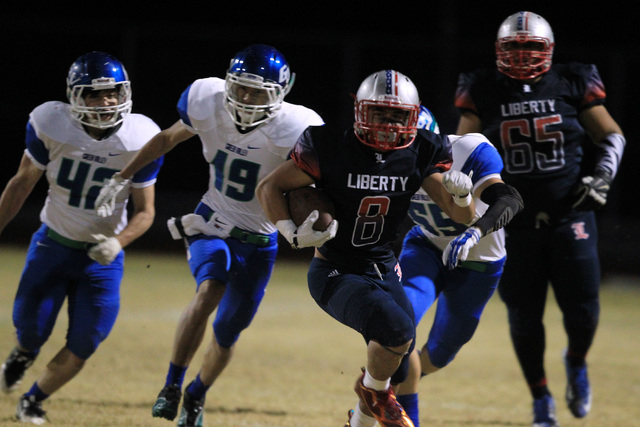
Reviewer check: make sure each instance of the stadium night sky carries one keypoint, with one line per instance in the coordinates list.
(330, 51)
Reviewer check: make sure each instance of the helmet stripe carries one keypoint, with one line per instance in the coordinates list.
(523, 21)
(388, 89)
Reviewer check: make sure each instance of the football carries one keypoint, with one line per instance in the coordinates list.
(303, 201)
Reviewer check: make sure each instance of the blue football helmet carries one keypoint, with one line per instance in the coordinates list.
(98, 71)
(386, 89)
(426, 120)
(256, 83)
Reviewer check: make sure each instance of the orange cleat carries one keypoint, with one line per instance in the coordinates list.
(383, 406)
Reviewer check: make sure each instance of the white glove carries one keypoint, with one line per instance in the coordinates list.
(106, 250)
(106, 201)
(305, 235)
(193, 224)
(458, 249)
(459, 185)
(591, 194)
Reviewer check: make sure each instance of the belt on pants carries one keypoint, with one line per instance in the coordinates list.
(65, 241)
(237, 233)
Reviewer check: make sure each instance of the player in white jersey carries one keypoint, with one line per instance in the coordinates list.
(246, 130)
(75, 255)
(459, 266)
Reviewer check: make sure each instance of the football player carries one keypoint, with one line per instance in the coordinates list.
(457, 264)
(75, 255)
(246, 130)
(543, 118)
(370, 173)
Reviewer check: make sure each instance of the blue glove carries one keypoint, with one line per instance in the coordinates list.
(458, 249)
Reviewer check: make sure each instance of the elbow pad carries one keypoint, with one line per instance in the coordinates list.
(504, 203)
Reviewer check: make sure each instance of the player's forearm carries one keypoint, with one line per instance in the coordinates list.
(139, 223)
(12, 200)
(460, 214)
(155, 148)
(272, 200)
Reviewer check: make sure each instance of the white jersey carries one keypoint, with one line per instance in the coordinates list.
(471, 152)
(77, 166)
(238, 161)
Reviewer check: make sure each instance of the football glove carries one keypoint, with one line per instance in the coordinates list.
(305, 236)
(459, 185)
(106, 250)
(106, 201)
(591, 193)
(458, 249)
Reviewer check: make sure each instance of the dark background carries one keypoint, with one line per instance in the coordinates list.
(330, 49)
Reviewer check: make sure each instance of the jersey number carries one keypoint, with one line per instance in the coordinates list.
(425, 214)
(75, 182)
(241, 172)
(370, 221)
(545, 152)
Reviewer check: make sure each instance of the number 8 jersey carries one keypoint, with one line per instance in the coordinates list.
(77, 166)
(535, 128)
(371, 190)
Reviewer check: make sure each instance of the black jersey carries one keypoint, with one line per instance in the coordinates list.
(371, 190)
(535, 127)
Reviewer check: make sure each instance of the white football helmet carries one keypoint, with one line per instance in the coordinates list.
(524, 46)
(386, 89)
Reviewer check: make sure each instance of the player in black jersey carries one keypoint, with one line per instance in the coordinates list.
(542, 117)
(370, 173)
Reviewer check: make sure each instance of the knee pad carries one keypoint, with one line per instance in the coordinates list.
(390, 325)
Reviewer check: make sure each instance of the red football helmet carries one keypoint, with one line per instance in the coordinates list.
(524, 46)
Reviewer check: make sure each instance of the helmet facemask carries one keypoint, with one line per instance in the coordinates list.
(397, 130)
(250, 100)
(100, 117)
(523, 57)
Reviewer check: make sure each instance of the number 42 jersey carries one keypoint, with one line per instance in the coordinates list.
(77, 166)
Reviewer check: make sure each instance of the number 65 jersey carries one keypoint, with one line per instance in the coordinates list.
(536, 129)
(77, 166)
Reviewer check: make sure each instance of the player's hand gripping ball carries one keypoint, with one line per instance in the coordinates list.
(303, 201)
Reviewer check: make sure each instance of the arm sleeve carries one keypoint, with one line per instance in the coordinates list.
(504, 203)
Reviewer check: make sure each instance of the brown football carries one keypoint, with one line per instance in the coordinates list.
(303, 201)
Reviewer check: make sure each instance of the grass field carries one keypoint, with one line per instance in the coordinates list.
(295, 366)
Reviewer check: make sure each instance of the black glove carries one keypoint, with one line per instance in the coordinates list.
(591, 193)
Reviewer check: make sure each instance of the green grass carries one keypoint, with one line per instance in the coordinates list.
(295, 366)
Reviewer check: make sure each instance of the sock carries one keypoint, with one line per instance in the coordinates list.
(361, 420)
(575, 359)
(539, 389)
(176, 375)
(38, 395)
(197, 389)
(370, 382)
(410, 404)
